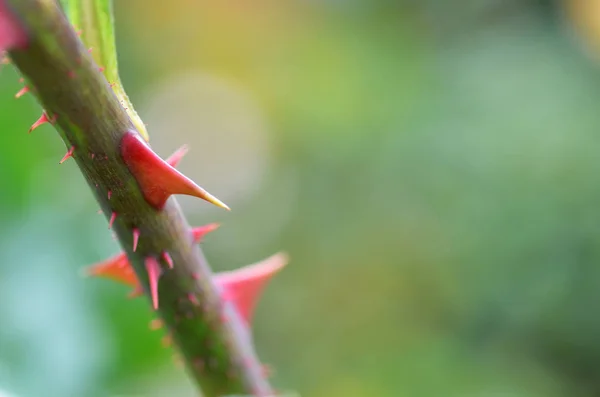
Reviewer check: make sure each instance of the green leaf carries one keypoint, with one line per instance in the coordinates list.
(93, 19)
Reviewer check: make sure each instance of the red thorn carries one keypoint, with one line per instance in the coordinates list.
(112, 85)
(68, 155)
(21, 80)
(42, 120)
(136, 237)
(71, 74)
(113, 216)
(156, 178)
(79, 32)
(167, 258)
(243, 286)
(199, 232)
(176, 157)
(12, 34)
(101, 69)
(109, 194)
(90, 49)
(153, 269)
(22, 92)
(116, 268)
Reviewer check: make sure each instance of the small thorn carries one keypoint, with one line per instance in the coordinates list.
(68, 155)
(109, 194)
(176, 157)
(79, 32)
(153, 269)
(90, 49)
(22, 92)
(112, 85)
(156, 178)
(92, 155)
(21, 80)
(167, 258)
(243, 286)
(101, 69)
(71, 74)
(199, 232)
(136, 237)
(113, 216)
(42, 120)
(99, 211)
(116, 268)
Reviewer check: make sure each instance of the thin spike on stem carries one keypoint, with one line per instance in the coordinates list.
(113, 217)
(22, 92)
(153, 269)
(136, 237)
(68, 155)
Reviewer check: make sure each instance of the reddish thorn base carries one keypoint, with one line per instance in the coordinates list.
(156, 178)
(12, 34)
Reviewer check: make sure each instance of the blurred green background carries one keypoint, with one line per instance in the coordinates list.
(432, 168)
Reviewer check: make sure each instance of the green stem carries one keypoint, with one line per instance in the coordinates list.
(214, 341)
